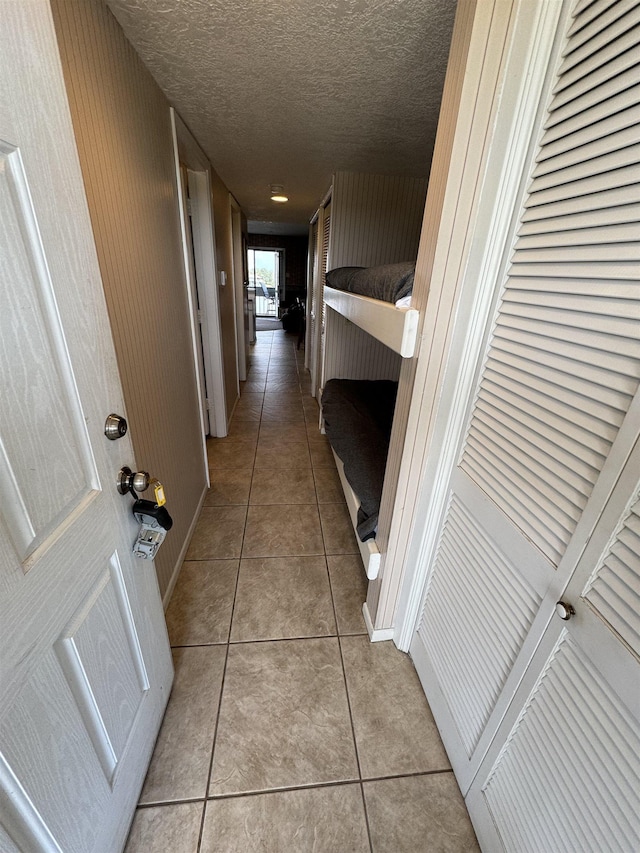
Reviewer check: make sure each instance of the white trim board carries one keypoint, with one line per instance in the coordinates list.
(375, 635)
(368, 550)
(198, 166)
(395, 327)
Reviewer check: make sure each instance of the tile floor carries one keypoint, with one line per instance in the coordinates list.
(287, 730)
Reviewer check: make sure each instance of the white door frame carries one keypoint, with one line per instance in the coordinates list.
(480, 154)
(237, 273)
(187, 150)
(310, 315)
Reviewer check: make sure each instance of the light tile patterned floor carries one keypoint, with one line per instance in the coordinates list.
(287, 731)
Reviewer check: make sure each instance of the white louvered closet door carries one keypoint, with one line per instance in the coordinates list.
(551, 432)
(313, 289)
(324, 260)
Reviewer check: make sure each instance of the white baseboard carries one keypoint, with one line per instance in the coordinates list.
(166, 598)
(376, 636)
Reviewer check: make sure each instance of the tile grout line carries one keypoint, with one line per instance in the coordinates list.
(346, 690)
(224, 669)
(283, 788)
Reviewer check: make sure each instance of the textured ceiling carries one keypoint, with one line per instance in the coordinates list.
(290, 91)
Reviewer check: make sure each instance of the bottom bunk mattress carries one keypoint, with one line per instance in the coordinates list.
(358, 415)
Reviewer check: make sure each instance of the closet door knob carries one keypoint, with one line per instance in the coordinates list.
(565, 611)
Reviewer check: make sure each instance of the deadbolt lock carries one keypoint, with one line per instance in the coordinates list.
(115, 427)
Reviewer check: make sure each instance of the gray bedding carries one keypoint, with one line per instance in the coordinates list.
(358, 415)
(389, 282)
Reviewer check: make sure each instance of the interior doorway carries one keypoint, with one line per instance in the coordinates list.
(266, 267)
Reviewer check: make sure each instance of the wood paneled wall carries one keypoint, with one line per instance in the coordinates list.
(122, 126)
(376, 219)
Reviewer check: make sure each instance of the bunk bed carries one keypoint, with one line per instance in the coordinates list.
(357, 414)
(374, 299)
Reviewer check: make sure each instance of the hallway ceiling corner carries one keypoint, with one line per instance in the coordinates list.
(291, 91)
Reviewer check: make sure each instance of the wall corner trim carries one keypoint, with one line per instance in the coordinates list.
(376, 635)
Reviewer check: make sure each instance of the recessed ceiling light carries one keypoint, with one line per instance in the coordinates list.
(277, 193)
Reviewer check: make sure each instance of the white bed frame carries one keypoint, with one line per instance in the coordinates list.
(396, 328)
(368, 550)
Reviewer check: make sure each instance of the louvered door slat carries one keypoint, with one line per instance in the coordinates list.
(510, 474)
(549, 385)
(619, 63)
(511, 437)
(585, 11)
(552, 174)
(596, 341)
(607, 235)
(579, 348)
(540, 376)
(598, 96)
(570, 417)
(581, 140)
(550, 426)
(588, 185)
(590, 151)
(549, 439)
(583, 223)
(625, 43)
(614, 588)
(508, 630)
(589, 51)
(474, 660)
(546, 532)
(598, 17)
(620, 323)
(519, 301)
(590, 117)
(620, 269)
(609, 373)
(603, 201)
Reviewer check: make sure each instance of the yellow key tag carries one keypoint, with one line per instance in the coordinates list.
(158, 490)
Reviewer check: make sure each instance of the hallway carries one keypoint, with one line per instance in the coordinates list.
(287, 730)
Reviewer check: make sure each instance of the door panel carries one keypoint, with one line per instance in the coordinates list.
(101, 658)
(474, 648)
(564, 769)
(554, 415)
(35, 370)
(568, 777)
(85, 666)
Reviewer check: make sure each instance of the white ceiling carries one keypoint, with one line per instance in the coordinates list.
(290, 91)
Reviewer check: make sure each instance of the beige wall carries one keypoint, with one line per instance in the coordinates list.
(224, 258)
(122, 126)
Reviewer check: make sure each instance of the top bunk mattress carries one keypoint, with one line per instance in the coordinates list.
(388, 283)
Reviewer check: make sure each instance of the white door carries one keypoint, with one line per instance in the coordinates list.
(563, 772)
(85, 662)
(555, 412)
